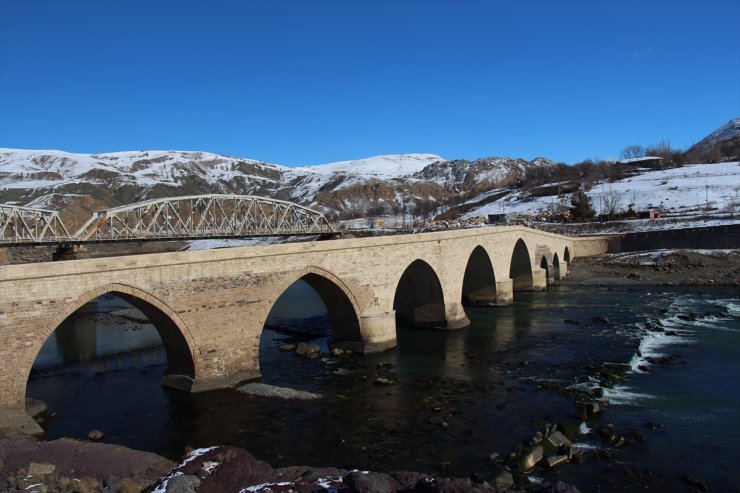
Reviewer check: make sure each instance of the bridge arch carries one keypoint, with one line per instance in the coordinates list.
(341, 303)
(177, 340)
(555, 266)
(545, 265)
(479, 281)
(419, 299)
(566, 255)
(520, 270)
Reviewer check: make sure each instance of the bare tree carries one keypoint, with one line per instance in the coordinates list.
(632, 151)
(612, 203)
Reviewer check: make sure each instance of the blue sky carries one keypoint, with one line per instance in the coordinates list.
(307, 82)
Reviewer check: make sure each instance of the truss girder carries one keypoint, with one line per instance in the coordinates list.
(195, 216)
(203, 216)
(29, 225)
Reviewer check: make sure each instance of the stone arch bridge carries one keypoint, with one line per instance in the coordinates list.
(210, 307)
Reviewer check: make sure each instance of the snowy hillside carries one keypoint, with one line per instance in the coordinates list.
(37, 169)
(673, 191)
(425, 184)
(83, 183)
(382, 167)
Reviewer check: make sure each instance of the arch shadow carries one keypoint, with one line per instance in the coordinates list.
(555, 266)
(545, 265)
(419, 300)
(176, 338)
(339, 301)
(566, 255)
(520, 270)
(479, 281)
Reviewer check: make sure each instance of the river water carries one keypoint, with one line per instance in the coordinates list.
(458, 395)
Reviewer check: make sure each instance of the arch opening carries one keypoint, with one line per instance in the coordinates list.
(119, 324)
(311, 309)
(544, 265)
(107, 359)
(520, 270)
(419, 301)
(556, 267)
(566, 255)
(479, 282)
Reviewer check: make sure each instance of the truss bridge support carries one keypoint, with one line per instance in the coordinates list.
(27, 225)
(203, 216)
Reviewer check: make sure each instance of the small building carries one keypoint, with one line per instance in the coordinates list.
(644, 162)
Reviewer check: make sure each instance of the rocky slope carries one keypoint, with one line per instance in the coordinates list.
(728, 131)
(79, 184)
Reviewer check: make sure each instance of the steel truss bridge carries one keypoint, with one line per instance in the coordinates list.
(188, 217)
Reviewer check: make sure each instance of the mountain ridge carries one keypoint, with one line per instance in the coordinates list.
(369, 186)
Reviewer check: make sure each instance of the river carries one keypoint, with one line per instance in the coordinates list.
(458, 396)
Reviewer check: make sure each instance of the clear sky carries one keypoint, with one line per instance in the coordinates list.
(307, 82)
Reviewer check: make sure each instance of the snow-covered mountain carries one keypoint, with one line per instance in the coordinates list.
(729, 130)
(81, 183)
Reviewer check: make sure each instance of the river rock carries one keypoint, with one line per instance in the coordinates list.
(695, 482)
(556, 460)
(265, 390)
(558, 440)
(531, 458)
(594, 407)
(367, 482)
(95, 435)
(112, 484)
(183, 484)
(653, 426)
(578, 458)
(40, 468)
(308, 349)
(561, 487)
(504, 479)
(384, 381)
(569, 429)
(286, 348)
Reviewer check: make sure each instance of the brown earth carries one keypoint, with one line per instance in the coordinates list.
(67, 465)
(659, 267)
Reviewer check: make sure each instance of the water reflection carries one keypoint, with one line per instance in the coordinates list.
(105, 334)
(76, 340)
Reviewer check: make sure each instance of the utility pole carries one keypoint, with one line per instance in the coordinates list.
(403, 211)
(706, 198)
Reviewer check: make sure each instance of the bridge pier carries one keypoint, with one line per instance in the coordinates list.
(455, 316)
(18, 421)
(563, 269)
(504, 292)
(539, 279)
(378, 332)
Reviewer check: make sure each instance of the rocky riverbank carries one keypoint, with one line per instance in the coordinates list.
(659, 267)
(70, 466)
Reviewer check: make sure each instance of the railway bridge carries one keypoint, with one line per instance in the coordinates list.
(210, 306)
